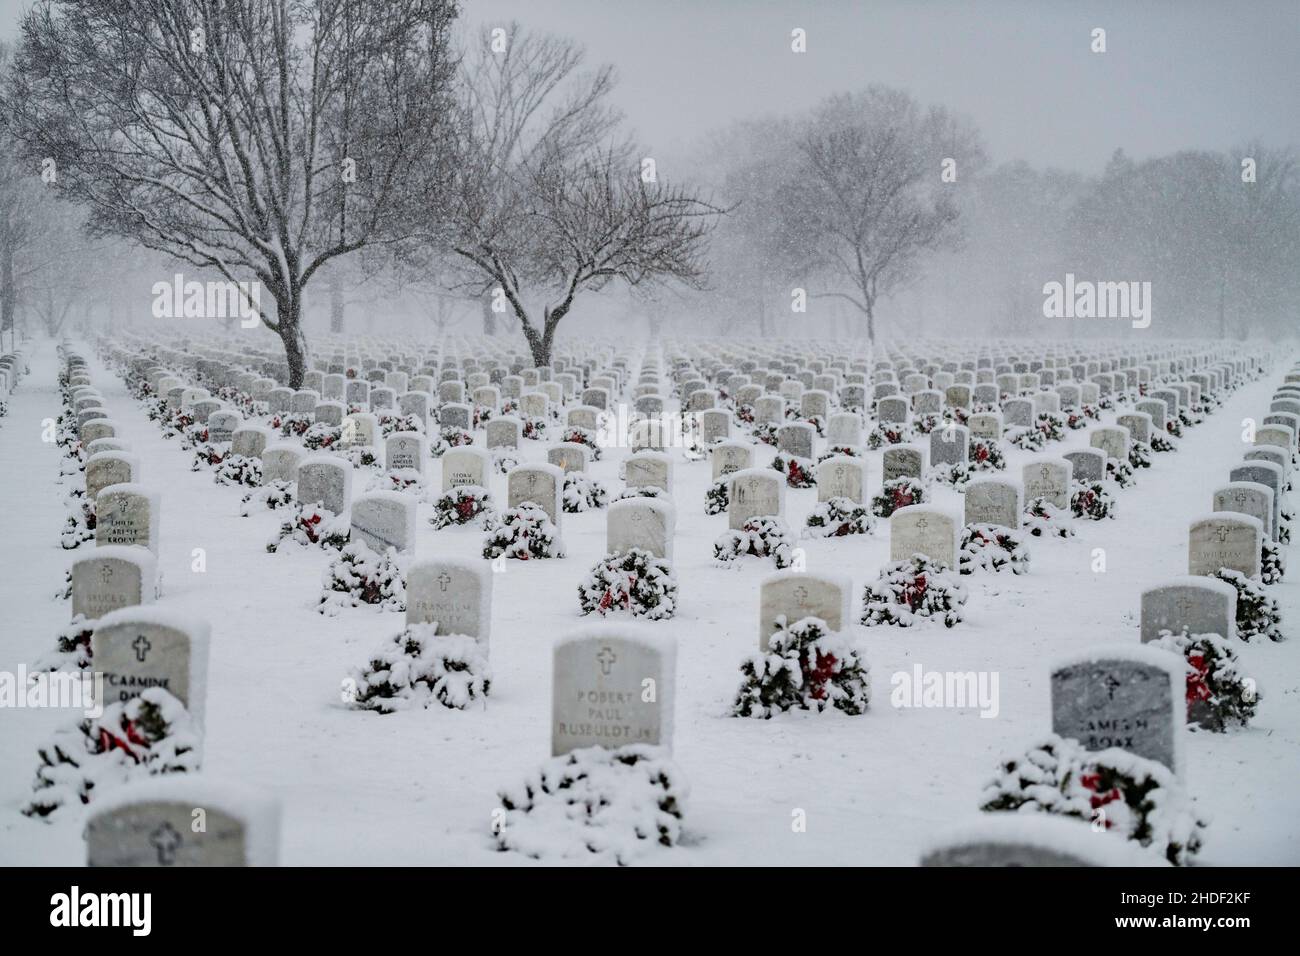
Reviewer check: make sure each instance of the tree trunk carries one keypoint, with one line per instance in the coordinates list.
(289, 313)
(7, 296)
(489, 317)
(871, 322)
(337, 305)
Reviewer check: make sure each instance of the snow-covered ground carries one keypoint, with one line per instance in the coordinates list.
(419, 787)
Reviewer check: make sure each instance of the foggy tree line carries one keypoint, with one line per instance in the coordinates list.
(376, 153)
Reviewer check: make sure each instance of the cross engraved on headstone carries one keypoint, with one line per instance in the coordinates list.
(1045, 472)
(166, 841)
(1112, 683)
(443, 580)
(1185, 605)
(606, 659)
(801, 596)
(1222, 531)
(142, 647)
(1240, 497)
(532, 483)
(923, 523)
(105, 573)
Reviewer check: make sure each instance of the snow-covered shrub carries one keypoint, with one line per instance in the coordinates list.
(908, 591)
(1139, 454)
(79, 527)
(1272, 562)
(362, 456)
(1091, 500)
(798, 471)
(360, 576)
(390, 422)
(761, 537)
(463, 504)
(1044, 519)
(1076, 420)
(448, 438)
(321, 435)
(418, 666)
(957, 474)
(239, 470)
(208, 456)
(839, 451)
(1050, 425)
(142, 737)
(986, 455)
(1162, 443)
(897, 493)
(924, 424)
(765, 433)
(582, 493)
(992, 548)
(1112, 789)
(1258, 615)
(887, 433)
(583, 436)
(606, 806)
(71, 644)
(272, 495)
(534, 428)
(837, 517)
(717, 497)
(524, 532)
(311, 526)
(1120, 472)
(806, 666)
(643, 491)
(503, 460)
(636, 582)
(1026, 439)
(1218, 694)
(293, 423)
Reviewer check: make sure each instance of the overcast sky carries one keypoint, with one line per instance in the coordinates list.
(1177, 74)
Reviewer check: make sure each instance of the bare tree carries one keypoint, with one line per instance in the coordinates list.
(546, 202)
(257, 138)
(867, 198)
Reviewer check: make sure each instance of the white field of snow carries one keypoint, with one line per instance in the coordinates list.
(419, 787)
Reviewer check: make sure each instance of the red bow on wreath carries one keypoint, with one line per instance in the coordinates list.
(109, 741)
(914, 593)
(1198, 687)
(816, 676)
(1092, 781)
(902, 498)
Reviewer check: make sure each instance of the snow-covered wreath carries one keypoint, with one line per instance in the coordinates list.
(636, 582)
(760, 537)
(463, 504)
(806, 666)
(992, 547)
(1219, 695)
(524, 532)
(910, 591)
(1111, 789)
(417, 667)
(594, 804)
(361, 576)
(837, 517)
(131, 740)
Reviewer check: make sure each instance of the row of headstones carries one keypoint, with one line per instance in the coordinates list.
(13, 366)
(1134, 698)
(1245, 513)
